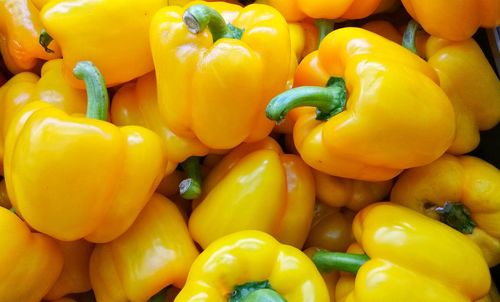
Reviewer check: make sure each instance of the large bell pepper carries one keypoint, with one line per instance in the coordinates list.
(216, 82)
(20, 29)
(256, 187)
(85, 177)
(31, 262)
(381, 111)
(113, 34)
(463, 192)
(252, 266)
(154, 252)
(409, 257)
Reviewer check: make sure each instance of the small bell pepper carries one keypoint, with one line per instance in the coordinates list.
(381, 111)
(409, 257)
(252, 266)
(86, 178)
(20, 29)
(31, 262)
(455, 20)
(113, 34)
(216, 82)
(256, 187)
(154, 252)
(463, 192)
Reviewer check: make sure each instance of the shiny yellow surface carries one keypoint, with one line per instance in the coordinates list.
(113, 34)
(249, 256)
(154, 252)
(465, 179)
(207, 86)
(81, 176)
(31, 262)
(256, 187)
(395, 118)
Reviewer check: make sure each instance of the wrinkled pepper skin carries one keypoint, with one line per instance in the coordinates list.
(365, 140)
(253, 256)
(136, 103)
(154, 252)
(31, 262)
(256, 187)
(455, 20)
(467, 180)
(20, 28)
(88, 30)
(208, 85)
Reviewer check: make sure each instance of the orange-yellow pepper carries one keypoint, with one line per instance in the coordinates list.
(256, 187)
(85, 177)
(247, 265)
(215, 83)
(30, 262)
(20, 29)
(381, 112)
(409, 257)
(154, 252)
(463, 192)
(454, 20)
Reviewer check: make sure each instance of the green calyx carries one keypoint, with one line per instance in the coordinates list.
(44, 39)
(260, 291)
(456, 215)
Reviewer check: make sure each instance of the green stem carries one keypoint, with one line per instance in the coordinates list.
(190, 188)
(456, 215)
(45, 40)
(325, 26)
(329, 100)
(97, 94)
(410, 36)
(198, 17)
(327, 261)
(259, 291)
(264, 295)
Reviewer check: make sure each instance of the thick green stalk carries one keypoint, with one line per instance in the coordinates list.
(97, 94)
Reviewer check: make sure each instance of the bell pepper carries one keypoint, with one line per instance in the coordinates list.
(20, 29)
(381, 111)
(220, 76)
(409, 257)
(154, 252)
(31, 262)
(255, 187)
(75, 277)
(461, 191)
(82, 177)
(252, 266)
(454, 20)
(113, 34)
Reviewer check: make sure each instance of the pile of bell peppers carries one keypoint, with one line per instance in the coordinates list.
(250, 151)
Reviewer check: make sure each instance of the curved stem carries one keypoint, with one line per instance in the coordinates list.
(456, 215)
(329, 100)
(410, 36)
(97, 94)
(190, 188)
(44, 39)
(198, 17)
(327, 261)
(325, 26)
(264, 295)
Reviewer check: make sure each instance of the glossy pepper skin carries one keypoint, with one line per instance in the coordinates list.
(87, 30)
(454, 20)
(83, 177)
(372, 110)
(460, 180)
(154, 252)
(253, 256)
(209, 81)
(31, 262)
(20, 28)
(256, 187)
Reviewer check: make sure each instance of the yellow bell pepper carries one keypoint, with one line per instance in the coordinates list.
(31, 262)
(248, 265)
(86, 178)
(463, 192)
(113, 34)
(20, 29)
(223, 76)
(381, 112)
(256, 187)
(154, 252)
(409, 257)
